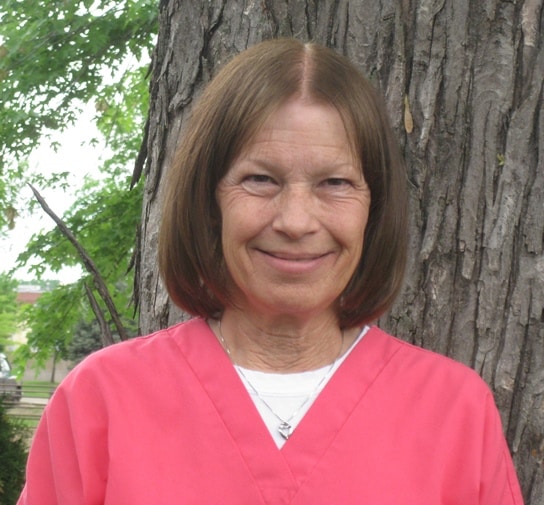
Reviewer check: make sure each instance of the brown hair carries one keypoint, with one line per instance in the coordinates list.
(231, 110)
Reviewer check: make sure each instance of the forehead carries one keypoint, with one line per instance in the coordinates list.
(304, 124)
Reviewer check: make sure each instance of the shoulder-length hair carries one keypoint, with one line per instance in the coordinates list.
(229, 113)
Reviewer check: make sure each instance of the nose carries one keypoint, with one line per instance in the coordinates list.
(296, 212)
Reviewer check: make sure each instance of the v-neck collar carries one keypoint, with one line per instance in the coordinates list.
(282, 471)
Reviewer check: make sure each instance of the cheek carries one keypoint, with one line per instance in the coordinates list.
(349, 227)
(359, 244)
(234, 237)
(242, 220)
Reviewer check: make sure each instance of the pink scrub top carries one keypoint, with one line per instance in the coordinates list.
(165, 420)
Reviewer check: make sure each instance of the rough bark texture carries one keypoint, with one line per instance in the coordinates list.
(463, 82)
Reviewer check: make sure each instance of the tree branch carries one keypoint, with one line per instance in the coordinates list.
(105, 332)
(88, 263)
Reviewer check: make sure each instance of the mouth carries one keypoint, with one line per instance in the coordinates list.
(293, 264)
(297, 257)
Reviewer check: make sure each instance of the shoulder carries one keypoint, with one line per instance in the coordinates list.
(435, 390)
(154, 343)
(429, 369)
(143, 356)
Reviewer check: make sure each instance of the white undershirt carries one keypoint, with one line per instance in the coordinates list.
(285, 392)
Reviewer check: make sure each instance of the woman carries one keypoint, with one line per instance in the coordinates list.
(284, 232)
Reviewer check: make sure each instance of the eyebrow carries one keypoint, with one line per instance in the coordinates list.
(271, 162)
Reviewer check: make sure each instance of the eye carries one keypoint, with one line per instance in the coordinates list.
(259, 179)
(336, 183)
(260, 184)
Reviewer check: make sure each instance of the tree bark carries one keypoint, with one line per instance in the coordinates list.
(464, 84)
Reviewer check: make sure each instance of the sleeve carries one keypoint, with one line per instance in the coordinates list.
(499, 483)
(68, 461)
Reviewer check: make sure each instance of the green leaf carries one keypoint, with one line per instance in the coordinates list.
(55, 57)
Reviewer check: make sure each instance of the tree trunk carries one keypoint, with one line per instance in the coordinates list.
(464, 83)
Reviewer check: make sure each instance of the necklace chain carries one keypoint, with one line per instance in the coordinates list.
(285, 428)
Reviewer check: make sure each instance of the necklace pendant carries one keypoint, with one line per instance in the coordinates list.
(285, 430)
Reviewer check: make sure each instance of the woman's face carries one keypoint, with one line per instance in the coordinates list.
(294, 209)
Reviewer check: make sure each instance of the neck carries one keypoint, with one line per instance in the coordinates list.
(281, 345)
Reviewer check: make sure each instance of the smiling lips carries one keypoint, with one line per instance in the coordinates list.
(293, 262)
(292, 256)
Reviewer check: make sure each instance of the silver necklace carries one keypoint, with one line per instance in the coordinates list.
(285, 428)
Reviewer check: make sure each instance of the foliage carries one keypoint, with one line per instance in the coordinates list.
(86, 340)
(104, 220)
(49, 334)
(8, 309)
(13, 455)
(55, 56)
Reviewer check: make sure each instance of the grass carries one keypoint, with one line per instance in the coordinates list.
(28, 415)
(38, 389)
